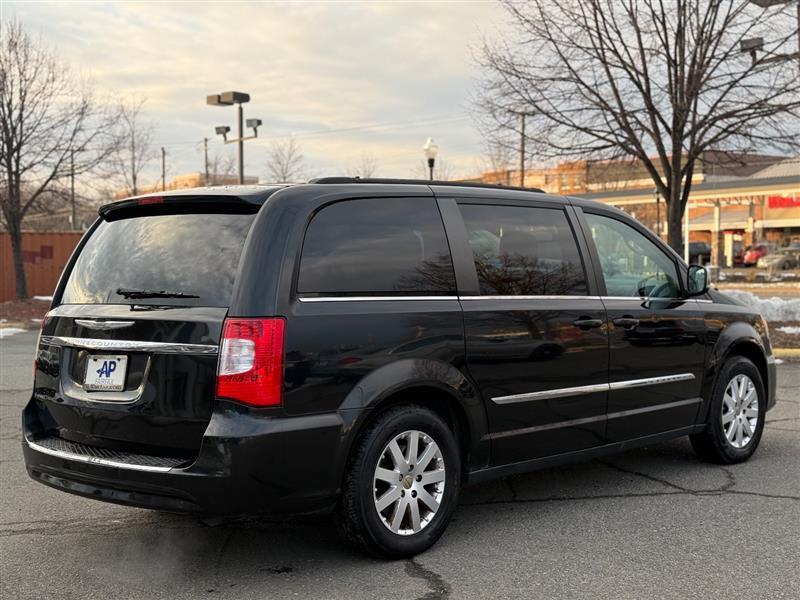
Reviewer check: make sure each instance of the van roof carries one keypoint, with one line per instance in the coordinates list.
(258, 194)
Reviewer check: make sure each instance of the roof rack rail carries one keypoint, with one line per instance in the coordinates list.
(491, 186)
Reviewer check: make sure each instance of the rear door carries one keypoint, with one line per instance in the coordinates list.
(537, 343)
(657, 335)
(128, 356)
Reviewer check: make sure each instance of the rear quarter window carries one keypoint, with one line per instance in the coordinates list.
(195, 254)
(386, 246)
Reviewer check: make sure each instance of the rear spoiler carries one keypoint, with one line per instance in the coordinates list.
(172, 204)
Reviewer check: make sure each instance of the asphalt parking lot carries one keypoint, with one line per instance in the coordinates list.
(650, 523)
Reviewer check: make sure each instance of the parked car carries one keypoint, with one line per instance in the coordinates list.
(367, 347)
(783, 258)
(699, 253)
(738, 253)
(753, 253)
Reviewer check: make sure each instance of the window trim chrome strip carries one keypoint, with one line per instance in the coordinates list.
(591, 389)
(130, 345)
(95, 460)
(370, 298)
(507, 297)
(487, 297)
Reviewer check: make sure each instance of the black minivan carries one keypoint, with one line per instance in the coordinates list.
(370, 346)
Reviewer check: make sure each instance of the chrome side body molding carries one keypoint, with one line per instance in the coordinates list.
(591, 389)
(594, 419)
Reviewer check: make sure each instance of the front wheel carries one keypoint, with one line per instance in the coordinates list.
(402, 484)
(736, 415)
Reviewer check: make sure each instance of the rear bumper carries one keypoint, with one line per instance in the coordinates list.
(247, 464)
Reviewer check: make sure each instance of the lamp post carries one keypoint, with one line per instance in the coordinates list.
(753, 45)
(229, 99)
(431, 150)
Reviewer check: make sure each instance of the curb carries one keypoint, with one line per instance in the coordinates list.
(786, 352)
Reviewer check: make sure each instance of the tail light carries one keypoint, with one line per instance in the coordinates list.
(38, 341)
(250, 366)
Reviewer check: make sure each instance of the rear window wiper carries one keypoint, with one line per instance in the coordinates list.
(133, 294)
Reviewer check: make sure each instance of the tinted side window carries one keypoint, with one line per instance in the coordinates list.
(632, 265)
(377, 246)
(524, 251)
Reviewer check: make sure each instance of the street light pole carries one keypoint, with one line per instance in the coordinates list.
(241, 143)
(754, 45)
(229, 99)
(430, 149)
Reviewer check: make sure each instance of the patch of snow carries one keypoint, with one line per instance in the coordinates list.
(43, 298)
(772, 309)
(9, 331)
(778, 361)
(790, 330)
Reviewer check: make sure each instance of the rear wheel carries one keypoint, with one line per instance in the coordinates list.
(402, 484)
(736, 417)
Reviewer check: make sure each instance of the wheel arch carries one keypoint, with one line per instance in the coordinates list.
(436, 385)
(739, 339)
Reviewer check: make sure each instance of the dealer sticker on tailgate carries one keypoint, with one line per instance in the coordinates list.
(105, 373)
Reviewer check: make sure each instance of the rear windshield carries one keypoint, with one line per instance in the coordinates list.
(190, 254)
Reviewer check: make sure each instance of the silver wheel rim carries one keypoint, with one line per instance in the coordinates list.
(740, 411)
(408, 485)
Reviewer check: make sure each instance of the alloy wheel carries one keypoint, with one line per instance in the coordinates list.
(408, 484)
(740, 411)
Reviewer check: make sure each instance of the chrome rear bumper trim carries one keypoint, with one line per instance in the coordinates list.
(130, 345)
(96, 460)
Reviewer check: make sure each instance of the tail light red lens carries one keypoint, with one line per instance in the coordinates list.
(250, 368)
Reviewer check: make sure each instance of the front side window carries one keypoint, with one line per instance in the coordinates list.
(382, 246)
(632, 264)
(523, 251)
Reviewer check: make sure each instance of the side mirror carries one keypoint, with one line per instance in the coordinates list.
(698, 280)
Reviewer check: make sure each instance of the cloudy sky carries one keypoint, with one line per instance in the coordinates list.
(346, 79)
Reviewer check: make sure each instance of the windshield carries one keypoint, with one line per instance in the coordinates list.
(172, 260)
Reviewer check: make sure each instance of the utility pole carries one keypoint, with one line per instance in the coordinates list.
(522, 115)
(163, 169)
(135, 189)
(522, 151)
(205, 156)
(73, 215)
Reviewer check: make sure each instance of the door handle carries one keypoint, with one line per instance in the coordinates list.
(587, 323)
(626, 322)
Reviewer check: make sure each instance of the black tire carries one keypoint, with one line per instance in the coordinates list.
(357, 515)
(711, 444)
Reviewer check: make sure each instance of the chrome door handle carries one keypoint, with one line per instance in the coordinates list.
(587, 323)
(626, 322)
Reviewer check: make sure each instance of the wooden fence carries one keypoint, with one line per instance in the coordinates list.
(45, 254)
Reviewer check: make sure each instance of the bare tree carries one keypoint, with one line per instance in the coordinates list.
(442, 171)
(285, 161)
(221, 169)
(50, 127)
(499, 156)
(135, 149)
(659, 82)
(364, 169)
